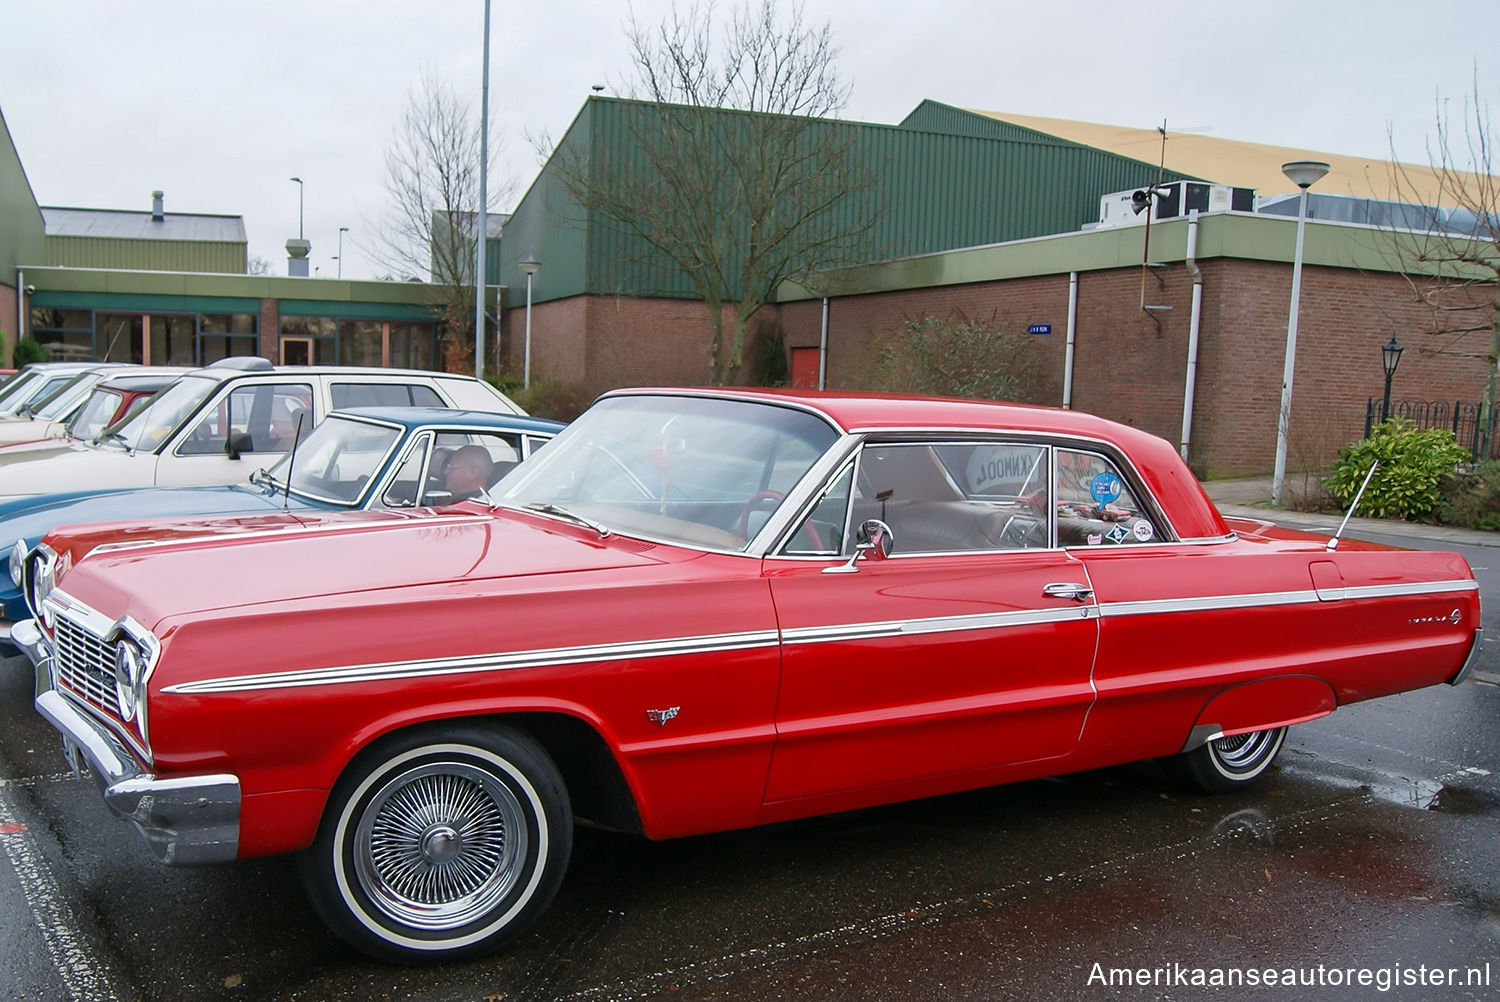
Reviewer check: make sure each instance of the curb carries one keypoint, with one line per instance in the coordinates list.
(1329, 524)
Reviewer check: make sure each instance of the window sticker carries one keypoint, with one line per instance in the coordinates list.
(1143, 531)
(1105, 488)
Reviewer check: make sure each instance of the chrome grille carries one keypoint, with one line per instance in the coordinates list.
(86, 666)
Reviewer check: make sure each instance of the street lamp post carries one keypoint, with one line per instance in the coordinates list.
(342, 231)
(530, 266)
(1390, 357)
(299, 207)
(1302, 173)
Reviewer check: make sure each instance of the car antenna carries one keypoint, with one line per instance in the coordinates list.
(1333, 543)
(286, 497)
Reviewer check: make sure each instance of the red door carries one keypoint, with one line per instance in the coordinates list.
(805, 368)
(927, 665)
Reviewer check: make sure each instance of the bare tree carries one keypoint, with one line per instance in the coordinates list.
(432, 177)
(1449, 246)
(732, 173)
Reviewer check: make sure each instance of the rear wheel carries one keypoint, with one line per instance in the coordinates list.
(441, 843)
(1227, 764)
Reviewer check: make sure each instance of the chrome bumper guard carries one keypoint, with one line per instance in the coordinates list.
(185, 821)
(1470, 661)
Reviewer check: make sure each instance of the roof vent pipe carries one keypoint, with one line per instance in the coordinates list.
(157, 212)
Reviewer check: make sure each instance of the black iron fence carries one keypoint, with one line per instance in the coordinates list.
(1459, 416)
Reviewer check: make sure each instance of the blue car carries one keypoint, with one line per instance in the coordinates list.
(368, 457)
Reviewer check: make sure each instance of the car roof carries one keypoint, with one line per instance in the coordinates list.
(1165, 473)
(150, 378)
(238, 371)
(420, 417)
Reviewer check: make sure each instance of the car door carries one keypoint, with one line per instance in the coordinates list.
(261, 417)
(969, 647)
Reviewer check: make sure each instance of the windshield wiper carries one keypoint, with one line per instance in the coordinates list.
(114, 436)
(552, 509)
(260, 478)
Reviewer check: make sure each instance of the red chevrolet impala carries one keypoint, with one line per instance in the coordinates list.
(697, 611)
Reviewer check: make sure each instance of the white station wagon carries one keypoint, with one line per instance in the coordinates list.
(219, 424)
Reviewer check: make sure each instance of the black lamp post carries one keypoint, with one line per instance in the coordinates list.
(1390, 357)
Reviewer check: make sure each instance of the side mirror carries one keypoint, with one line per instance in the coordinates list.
(874, 541)
(435, 499)
(239, 443)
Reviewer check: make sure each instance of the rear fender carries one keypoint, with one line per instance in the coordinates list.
(1262, 705)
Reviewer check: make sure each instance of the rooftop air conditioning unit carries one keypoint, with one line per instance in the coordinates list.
(1124, 208)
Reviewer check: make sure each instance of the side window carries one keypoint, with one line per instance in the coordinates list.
(406, 486)
(949, 497)
(822, 531)
(1095, 507)
(954, 497)
(385, 395)
(463, 464)
(268, 414)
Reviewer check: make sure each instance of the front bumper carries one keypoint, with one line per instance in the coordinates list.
(186, 820)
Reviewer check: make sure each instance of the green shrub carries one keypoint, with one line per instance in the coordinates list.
(27, 351)
(1413, 465)
(1472, 497)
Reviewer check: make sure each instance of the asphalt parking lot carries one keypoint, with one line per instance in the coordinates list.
(1373, 850)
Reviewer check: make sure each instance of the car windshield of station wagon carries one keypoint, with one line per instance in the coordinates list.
(680, 469)
(168, 409)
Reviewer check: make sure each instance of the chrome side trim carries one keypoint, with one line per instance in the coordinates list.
(1470, 661)
(939, 624)
(1207, 603)
(1219, 602)
(554, 657)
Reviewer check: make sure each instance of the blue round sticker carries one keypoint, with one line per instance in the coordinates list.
(1105, 488)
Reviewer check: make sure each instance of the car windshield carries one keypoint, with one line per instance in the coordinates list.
(95, 413)
(337, 460)
(34, 393)
(698, 471)
(149, 428)
(15, 385)
(63, 400)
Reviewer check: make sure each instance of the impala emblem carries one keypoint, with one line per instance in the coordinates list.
(662, 716)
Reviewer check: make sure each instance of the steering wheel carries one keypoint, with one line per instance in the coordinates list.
(758, 499)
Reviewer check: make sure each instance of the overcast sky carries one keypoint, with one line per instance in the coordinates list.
(219, 104)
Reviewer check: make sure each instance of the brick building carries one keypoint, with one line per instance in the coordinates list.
(1128, 363)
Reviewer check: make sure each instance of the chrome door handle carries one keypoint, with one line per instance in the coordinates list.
(1077, 592)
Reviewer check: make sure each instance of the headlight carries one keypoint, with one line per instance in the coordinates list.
(127, 678)
(18, 562)
(40, 578)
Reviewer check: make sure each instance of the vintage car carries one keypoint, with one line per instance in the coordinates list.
(216, 424)
(36, 382)
(371, 457)
(107, 397)
(697, 611)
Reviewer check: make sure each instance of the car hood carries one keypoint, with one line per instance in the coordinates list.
(70, 466)
(31, 518)
(155, 571)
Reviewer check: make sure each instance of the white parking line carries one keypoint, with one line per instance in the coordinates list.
(81, 973)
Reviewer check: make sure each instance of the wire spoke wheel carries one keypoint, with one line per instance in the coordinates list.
(439, 844)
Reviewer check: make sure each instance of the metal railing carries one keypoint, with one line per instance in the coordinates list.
(1458, 416)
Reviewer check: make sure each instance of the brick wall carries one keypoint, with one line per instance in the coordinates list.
(1129, 364)
(270, 330)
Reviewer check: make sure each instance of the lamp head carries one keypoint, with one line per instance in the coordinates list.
(1305, 173)
(1390, 355)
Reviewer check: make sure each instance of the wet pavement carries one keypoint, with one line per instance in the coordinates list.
(1372, 851)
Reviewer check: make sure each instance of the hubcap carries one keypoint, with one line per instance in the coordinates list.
(1245, 751)
(439, 845)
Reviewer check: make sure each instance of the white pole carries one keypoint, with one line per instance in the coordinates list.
(1284, 416)
(481, 229)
